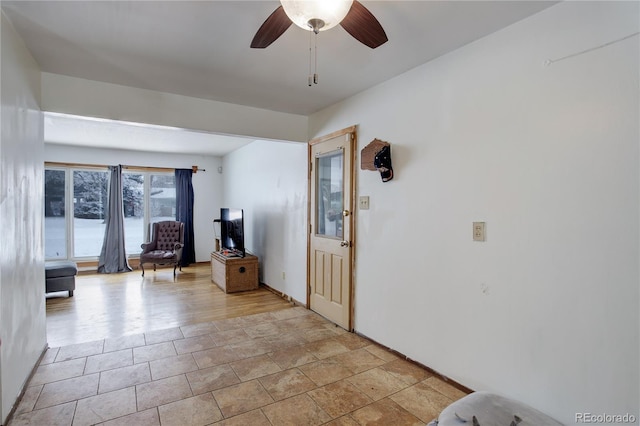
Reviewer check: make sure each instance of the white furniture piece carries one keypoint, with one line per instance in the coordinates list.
(489, 410)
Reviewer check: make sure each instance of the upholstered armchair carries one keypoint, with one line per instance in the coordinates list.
(165, 247)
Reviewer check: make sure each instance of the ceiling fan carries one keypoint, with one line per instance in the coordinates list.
(321, 15)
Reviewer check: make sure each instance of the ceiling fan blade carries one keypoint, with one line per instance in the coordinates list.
(363, 26)
(272, 28)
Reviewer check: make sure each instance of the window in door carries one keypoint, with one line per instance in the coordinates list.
(330, 169)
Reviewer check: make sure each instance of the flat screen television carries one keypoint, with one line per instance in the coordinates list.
(232, 231)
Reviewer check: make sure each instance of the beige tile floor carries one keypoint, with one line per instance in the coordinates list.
(288, 367)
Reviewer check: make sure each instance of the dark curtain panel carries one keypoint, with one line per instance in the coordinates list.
(112, 256)
(184, 213)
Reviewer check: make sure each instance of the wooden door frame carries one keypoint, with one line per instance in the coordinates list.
(352, 209)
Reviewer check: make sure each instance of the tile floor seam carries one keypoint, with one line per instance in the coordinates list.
(84, 369)
(106, 369)
(173, 342)
(217, 404)
(312, 381)
(35, 400)
(58, 380)
(135, 394)
(75, 407)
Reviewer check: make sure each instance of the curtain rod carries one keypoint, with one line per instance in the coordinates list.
(125, 167)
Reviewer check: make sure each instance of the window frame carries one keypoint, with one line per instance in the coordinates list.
(68, 169)
(68, 235)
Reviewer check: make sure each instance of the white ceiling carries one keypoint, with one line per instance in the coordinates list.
(201, 48)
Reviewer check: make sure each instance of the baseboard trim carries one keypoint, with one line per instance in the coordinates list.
(441, 376)
(284, 296)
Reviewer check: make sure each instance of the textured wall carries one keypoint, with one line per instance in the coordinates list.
(269, 181)
(22, 304)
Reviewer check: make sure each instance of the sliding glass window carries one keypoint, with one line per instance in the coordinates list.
(147, 197)
(55, 223)
(133, 200)
(89, 206)
(162, 197)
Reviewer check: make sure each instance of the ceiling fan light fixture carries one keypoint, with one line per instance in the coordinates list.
(307, 14)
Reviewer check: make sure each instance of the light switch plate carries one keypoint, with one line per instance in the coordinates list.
(478, 231)
(364, 202)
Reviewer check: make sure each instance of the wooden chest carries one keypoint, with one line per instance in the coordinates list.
(233, 274)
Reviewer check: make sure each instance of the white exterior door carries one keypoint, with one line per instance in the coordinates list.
(331, 226)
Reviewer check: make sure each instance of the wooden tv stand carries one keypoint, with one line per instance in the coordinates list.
(234, 274)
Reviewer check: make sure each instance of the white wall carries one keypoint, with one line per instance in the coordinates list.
(268, 180)
(207, 185)
(105, 100)
(546, 310)
(22, 306)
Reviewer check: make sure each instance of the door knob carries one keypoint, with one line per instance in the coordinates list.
(345, 213)
(344, 243)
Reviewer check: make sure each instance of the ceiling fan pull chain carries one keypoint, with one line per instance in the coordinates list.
(310, 72)
(315, 66)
